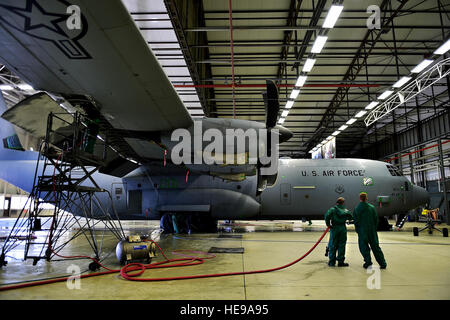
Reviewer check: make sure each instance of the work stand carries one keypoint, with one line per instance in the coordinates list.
(65, 202)
(430, 225)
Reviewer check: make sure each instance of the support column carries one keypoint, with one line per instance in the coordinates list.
(444, 187)
(411, 166)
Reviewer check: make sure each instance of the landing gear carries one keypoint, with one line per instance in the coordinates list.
(383, 224)
(93, 266)
(401, 220)
(416, 231)
(188, 223)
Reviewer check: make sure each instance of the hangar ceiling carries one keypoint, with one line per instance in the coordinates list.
(272, 40)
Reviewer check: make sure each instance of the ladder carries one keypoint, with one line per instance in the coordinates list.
(64, 203)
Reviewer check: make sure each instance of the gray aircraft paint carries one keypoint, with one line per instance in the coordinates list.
(312, 186)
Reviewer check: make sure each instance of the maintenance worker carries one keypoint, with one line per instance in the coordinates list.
(366, 222)
(335, 219)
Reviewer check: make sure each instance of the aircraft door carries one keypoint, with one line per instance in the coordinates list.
(119, 195)
(285, 194)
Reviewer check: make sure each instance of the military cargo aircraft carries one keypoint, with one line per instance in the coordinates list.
(106, 69)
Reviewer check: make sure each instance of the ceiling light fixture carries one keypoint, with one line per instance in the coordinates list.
(425, 63)
(401, 82)
(332, 16)
(371, 105)
(289, 104)
(360, 114)
(385, 94)
(318, 44)
(294, 94)
(309, 64)
(444, 48)
(301, 81)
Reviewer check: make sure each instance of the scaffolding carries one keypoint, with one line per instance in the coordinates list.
(70, 154)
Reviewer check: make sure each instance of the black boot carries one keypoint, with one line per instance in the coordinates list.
(367, 264)
(342, 264)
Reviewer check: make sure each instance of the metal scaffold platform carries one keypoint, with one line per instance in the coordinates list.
(69, 156)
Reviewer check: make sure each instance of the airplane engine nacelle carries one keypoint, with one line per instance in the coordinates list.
(228, 148)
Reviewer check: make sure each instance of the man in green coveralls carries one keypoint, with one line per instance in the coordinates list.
(335, 219)
(366, 223)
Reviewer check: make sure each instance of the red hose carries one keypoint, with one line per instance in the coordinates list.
(127, 271)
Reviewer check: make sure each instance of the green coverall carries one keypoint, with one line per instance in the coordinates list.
(366, 223)
(335, 218)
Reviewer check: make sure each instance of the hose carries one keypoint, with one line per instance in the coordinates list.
(132, 271)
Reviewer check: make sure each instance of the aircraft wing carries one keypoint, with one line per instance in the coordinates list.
(104, 58)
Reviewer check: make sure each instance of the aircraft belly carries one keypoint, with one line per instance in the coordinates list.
(224, 204)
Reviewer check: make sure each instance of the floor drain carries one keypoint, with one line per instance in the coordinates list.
(226, 250)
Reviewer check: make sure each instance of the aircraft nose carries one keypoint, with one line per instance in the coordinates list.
(420, 196)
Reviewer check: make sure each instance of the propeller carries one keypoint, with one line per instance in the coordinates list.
(272, 106)
(271, 103)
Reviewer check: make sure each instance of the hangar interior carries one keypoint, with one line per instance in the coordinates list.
(218, 56)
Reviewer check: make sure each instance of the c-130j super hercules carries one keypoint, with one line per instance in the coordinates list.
(106, 71)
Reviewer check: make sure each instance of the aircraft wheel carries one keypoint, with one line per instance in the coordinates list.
(430, 231)
(416, 231)
(94, 266)
(445, 232)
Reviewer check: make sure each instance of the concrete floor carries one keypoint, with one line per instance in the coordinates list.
(418, 267)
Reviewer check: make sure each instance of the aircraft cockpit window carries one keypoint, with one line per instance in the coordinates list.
(394, 171)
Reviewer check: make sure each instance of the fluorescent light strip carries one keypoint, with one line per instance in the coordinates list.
(301, 81)
(343, 127)
(360, 114)
(289, 104)
(351, 121)
(318, 44)
(385, 94)
(324, 142)
(281, 121)
(284, 113)
(401, 82)
(309, 64)
(444, 48)
(294, 94)
(425, 63)
(371, 105)
(335, 133)
(332, 16)
(330, 138)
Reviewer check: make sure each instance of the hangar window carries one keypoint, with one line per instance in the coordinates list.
(394, 171)
(118, 190)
